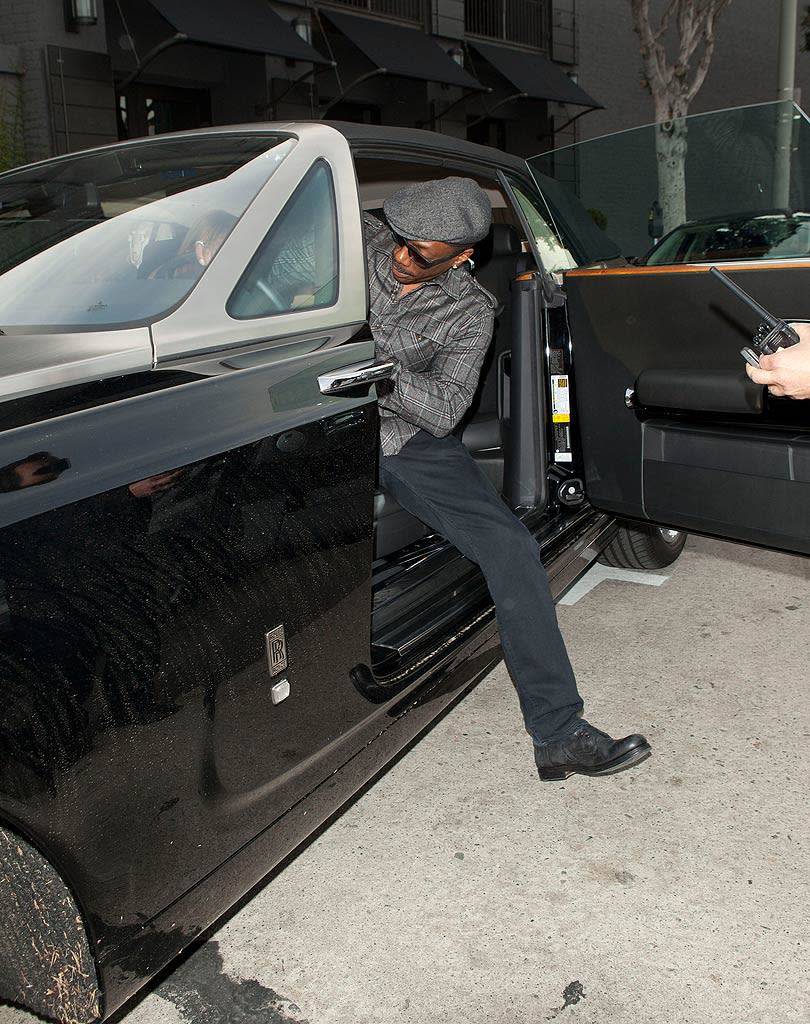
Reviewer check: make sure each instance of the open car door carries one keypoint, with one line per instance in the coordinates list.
(672, 430)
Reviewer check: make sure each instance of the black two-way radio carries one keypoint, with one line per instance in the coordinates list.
(772, 333)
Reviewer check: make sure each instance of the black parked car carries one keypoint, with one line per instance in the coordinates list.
(770, 235)
(215, 628)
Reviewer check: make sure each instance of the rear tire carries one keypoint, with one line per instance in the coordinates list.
(643, 547)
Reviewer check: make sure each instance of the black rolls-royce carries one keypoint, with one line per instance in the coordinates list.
(214, 627)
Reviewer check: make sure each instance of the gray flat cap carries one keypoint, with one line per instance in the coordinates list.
(455, 210)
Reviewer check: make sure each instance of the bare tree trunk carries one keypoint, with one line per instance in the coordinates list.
(670, 153)
(672, 87)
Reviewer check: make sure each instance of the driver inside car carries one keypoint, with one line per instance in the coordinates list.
(430, 316)
(199, 246)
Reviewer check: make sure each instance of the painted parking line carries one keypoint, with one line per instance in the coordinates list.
(599, 573)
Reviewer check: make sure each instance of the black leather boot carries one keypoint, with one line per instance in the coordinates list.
(588, 751)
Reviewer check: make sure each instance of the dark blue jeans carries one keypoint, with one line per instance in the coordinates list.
(438, 481)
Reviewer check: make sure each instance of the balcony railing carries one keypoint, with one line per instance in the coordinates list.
(513, 21)
(403, 10)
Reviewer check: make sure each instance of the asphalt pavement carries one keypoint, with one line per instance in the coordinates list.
(461, 890)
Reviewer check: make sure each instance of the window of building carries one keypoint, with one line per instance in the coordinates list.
(359, 113)
(155, 109)
(488, 131)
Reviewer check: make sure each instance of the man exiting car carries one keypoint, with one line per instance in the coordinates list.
(434, 321)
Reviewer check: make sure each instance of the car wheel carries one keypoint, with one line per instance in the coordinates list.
(643, 547)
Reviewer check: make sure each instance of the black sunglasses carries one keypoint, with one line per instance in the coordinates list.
(417, 256)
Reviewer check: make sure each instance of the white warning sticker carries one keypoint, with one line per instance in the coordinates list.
(560, 398)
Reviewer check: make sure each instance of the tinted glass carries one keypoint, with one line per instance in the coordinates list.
(553, 254)
(123, 235)
(296, 266)
(731, 185)
(581, 227)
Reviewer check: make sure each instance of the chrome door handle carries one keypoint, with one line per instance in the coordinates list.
(347, 378)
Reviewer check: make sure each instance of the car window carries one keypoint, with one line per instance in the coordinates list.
(727, 185)
(44, 203)
(552, 252)
(296, 266)
(129, 235)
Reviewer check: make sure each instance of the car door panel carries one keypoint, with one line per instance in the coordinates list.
(700, 390)
(113, 444)
(724, 458)
(35, 361)
(733, 482)
(140, 744)
(153, 535)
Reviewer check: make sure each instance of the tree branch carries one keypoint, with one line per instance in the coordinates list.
(652, 53)
(708, 42)
(668, 80)
(665, 18)
(691, 31)
(640, 12)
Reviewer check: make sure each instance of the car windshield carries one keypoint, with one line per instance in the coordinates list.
(122, 235)
(729, 185)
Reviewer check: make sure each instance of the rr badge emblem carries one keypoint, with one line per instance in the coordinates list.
(276, 646)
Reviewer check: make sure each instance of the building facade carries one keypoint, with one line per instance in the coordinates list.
(78, 73)
(523, 75)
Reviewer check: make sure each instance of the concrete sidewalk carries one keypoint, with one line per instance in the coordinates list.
(460, 889)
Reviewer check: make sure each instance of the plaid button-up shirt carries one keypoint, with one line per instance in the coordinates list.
(438, 336)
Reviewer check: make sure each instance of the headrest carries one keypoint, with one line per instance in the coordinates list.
(505, 240)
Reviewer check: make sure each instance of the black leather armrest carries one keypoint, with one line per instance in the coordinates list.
(700, 391)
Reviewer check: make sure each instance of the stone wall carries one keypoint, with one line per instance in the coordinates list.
(30, 26)
(12, 140)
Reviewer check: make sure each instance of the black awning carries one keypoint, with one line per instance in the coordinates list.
(402, 51)
(536, 76)
(237, 25)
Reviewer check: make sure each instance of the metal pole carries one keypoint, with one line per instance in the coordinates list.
(786, 78)
(787, 50)
(60, 61)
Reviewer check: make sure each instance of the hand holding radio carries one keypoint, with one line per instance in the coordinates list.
(779, 353)
(771, 334)
(786, 372)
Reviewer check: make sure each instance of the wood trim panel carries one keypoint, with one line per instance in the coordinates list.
(689, 268)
